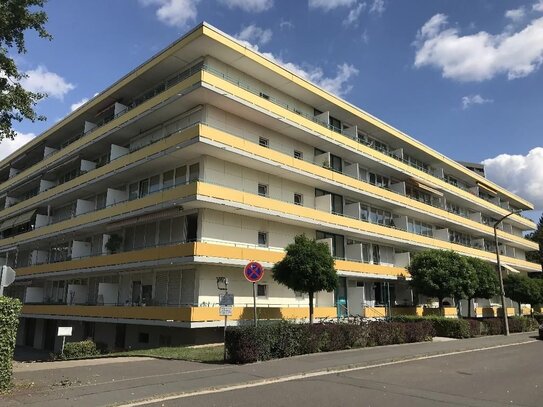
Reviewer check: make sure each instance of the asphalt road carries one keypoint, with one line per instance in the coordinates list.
(455, 373)
(501, 377)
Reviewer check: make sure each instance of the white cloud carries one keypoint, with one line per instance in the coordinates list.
(378, 7)
(286, 25)
(468, 101)
(479, 56)
(41, 80)
(175, 13)
(354, 15)
(254, 35)
(338, 84)
(538, 6)
(516, 14)
(328, 5)
(77, 105)
(8, 146)
(251, 6)
(521, 174)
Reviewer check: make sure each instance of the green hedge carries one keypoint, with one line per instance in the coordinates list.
(83, 349)
(9, 320)
(539, 317)
(247, 344)
(469, 328)
(447, 327)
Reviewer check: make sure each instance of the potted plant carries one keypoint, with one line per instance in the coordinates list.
(114, 243)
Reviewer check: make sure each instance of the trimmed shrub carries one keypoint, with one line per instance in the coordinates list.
(9, 321)
(538, 317)
(522, 324)
(83, 349)
(246, 344)
(475, 327)
(447, 327)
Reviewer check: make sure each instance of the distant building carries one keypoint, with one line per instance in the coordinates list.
(119, 218)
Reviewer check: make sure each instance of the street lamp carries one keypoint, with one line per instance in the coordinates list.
(504, 308)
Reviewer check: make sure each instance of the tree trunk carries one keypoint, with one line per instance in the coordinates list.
(469, 307)
(441, 309)
(519, 309)
(310, 307)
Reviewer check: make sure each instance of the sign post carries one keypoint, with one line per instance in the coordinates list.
(64, 331)
(254, 272)
(226, 302)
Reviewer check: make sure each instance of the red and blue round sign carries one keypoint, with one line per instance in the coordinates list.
(253, 272)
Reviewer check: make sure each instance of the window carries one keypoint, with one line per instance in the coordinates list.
(144, 188)
(335, 124)
(263, 239)
(262, 290)
(338, 243)
(154, 185)
(101, 201)
(262, 190)
(419, 228)
(335, 163)
(167, 179)
(298, 199)
(192, 227)
(180, 175)
(133, 191)
(298, 155)
(194, 172)
(143, 337)
(264, 142)
(379, 180)
(460, 238)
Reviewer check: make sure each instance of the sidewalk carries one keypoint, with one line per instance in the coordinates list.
(118, 383)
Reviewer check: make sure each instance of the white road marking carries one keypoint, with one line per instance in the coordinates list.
(300, 376)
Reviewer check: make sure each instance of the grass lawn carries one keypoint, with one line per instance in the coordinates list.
(206, 354)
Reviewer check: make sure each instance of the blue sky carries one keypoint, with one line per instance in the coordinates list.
(462, 76)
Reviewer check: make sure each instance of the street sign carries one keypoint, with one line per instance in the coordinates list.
(226, 299)
(253, 272)
(225, 311)
(64, 331)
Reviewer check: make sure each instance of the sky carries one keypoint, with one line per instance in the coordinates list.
(462, 76)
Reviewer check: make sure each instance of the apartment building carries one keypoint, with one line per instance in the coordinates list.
(119, 218)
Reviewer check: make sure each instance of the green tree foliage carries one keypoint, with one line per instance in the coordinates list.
(487, 284)
(441, 273)
(536, 236)
(16, 103)
(307, 267)
(9, 320)
(523, 289)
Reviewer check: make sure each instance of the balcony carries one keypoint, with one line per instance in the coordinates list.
(186, 314)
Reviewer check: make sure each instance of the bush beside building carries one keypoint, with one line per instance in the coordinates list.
(9, 320)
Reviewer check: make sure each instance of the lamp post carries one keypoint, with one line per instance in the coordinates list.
(502, 291)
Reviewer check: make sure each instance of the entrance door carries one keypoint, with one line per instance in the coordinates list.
(355, 295)
(30, 331)
(50, 334)
(120, 336)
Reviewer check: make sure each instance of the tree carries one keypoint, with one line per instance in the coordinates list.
(307, 267)
(523, 289)
(440, 274)
(487, 284)
(536, 236)
(16, 103)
